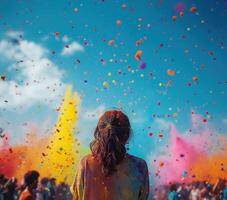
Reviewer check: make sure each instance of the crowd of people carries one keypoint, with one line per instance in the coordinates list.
(192, 191)
(47, 189)
(33, 189)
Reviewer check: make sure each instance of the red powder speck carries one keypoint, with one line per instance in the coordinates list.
(160, 135)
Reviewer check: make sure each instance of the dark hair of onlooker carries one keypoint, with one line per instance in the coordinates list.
(44, 181)
(31, 177)
(173, 187)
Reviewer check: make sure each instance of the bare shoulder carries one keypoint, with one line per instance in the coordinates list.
(86, 158)
(138, 164)
(137, 159)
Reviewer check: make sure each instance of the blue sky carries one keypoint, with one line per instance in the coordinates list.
(38, 33)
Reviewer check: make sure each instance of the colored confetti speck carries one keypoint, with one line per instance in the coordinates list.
(142, 65)
(138, 55)
(170, 72)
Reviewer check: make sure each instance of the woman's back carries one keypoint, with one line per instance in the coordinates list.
(129, 182)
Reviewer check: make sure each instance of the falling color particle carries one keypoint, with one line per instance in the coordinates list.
(150, 134)
(174, 18)
(170, 72)
(161, 164)
(119, 22)
(160, 135)
(3, 78)
(193, 9)
(138, 55)
(111, 42)
(142, 65)
(123, 6)
(195, 78)
(181, 13)
(105, 85)
(184, 174)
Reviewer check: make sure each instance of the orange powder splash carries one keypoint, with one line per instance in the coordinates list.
(212, 167)
(54, 156)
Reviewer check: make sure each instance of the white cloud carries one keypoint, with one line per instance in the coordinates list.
(72, 48)
(38, 80)
(14, 34)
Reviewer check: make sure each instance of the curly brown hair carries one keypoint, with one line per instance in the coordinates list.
(111, 134)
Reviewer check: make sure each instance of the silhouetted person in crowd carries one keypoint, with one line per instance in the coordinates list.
(195, 192)
(31, 183)
(63, 192)
(10, 189)
(43, 192)
(109, 172)
(173, 193)
(2, 183)
(52, 188)
(224, 195)
(183, 192)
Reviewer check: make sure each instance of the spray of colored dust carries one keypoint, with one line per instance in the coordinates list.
(210, 168)
(193, 157)
(16, 160)
(63, 150)
(54, 156)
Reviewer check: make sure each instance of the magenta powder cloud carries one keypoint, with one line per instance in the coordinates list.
(184, 150)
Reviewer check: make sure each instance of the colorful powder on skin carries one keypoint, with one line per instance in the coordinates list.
(54, 156)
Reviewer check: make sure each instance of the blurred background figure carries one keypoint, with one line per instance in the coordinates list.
(183, 192)
(31, 183)
(48, 189)
(52, 187)
(9, 192)
(194, 194)
(224, 196)
(63, 192)
(2, 182)
(173, 193)
(43, 192)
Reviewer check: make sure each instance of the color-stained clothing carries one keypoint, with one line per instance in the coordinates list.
(129, 182)
(26, 195)
(224, 194)
(173, 196)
